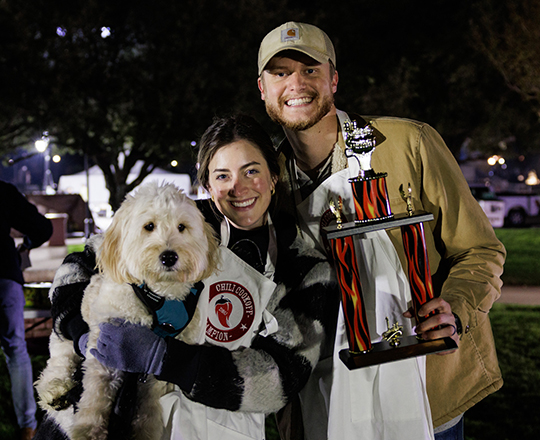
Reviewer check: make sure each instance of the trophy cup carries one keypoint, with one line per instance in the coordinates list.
(372, 208)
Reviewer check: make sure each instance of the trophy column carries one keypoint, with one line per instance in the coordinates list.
(418, 271)
(354, 311)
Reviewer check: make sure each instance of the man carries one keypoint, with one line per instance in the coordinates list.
(297, 81)
(19, 214)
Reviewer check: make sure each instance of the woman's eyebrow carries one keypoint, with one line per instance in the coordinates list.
(226, 170)
(253, 162)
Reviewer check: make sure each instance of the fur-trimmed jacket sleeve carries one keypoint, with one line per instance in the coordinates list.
(67, 291)
(265, 376)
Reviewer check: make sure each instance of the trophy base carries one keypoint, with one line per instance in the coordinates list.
(398, 220)
(378, 219)
(383, 352)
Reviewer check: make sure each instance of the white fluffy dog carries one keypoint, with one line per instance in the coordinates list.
(157, 237)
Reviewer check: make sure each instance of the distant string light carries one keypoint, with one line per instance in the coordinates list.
(42, 144)
(496, 159)
(105, 31)
(532, 178)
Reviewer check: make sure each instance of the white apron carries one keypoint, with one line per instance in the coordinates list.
(382, 402)
(233, 305)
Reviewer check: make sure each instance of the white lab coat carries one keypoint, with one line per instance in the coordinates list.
(232, 305)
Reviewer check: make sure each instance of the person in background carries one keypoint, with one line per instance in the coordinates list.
(224, 389)
(297, 81)
(21, 215)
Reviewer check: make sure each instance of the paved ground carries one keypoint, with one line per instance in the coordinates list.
(46, 260)
(520, 295)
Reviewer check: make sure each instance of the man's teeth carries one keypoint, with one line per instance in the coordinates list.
(243, 204)
(299, 101)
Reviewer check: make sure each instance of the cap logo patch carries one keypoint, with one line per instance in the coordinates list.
(290, 34)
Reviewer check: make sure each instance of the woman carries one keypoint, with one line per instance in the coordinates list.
(258, 352)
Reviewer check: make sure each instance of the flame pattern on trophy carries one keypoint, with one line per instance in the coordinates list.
(370, 199)
(414, 243)
(354, 312)
(418, 265)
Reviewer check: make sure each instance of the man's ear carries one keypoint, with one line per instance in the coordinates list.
(335, 81)
(260, 84)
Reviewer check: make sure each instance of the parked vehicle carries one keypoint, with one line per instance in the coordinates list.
(493, 207)
(520, 208)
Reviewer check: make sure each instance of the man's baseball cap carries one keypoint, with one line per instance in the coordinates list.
(302, 37)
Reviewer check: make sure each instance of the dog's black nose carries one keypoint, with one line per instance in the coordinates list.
(169, 258)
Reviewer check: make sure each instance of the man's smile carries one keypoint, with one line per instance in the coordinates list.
(298, 101)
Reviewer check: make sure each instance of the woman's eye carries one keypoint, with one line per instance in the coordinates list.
(252, 171)
(181, 227)
(149, 227)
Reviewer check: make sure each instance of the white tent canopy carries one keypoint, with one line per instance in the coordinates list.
(98, 194)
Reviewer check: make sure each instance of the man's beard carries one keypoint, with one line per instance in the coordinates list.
(276, 114)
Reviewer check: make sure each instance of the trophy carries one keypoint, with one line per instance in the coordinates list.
(372, 208)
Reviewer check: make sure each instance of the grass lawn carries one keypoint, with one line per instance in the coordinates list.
(8, 424)
(522, 267)
(509, 414)
(512, 412)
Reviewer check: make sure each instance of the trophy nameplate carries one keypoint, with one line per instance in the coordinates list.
(373, 213)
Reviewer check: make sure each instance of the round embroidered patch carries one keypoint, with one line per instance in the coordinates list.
(231, 311)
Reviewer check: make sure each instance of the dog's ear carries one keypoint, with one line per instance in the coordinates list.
(109, 260)
(213, 254)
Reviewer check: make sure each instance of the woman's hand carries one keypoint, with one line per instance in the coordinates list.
(129, 347)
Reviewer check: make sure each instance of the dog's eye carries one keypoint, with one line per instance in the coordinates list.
(149, 227)
(181, 227)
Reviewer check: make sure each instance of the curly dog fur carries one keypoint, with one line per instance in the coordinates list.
(158, 219)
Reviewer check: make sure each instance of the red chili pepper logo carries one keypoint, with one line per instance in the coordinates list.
(223, 311)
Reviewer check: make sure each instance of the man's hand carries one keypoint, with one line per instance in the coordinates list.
(440, 324)
(129, 347)
(24, 255)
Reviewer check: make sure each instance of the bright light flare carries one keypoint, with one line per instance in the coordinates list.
(41, 144)
(532, 178)
(495, 159)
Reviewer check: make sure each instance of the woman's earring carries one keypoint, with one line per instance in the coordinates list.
(212, 197)
(273, 191)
